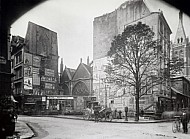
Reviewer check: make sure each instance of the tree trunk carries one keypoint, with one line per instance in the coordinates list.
(137, 104)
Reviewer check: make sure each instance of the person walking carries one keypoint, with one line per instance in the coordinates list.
(120, 114)
(96, 114)
(185, 120)
(126, 111)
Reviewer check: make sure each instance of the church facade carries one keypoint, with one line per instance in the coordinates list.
(77, 83)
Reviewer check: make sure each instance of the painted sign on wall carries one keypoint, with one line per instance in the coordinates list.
(27, 83)
(27, 59)
(36, 61)
(49, 72)
(28, 71)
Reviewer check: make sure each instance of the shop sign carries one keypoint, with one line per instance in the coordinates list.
(49, 86)
(2, 60)
(59, 97)
(48, 79)
(49, 72)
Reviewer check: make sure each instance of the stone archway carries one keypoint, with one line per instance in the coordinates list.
(80, 89)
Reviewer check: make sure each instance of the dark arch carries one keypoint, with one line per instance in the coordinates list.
(66, 89)
(80, 89)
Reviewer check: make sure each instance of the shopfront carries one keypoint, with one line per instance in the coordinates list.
(59, 104)
(33, 104)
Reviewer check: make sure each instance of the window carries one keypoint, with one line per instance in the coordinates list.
(176, 53)
(178, 40)
(181, 40)
(18, 58)
(18, 73)
(181, 54)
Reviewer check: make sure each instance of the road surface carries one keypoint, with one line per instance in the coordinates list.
(58, 128)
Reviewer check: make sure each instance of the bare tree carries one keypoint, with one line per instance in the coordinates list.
(134, 60)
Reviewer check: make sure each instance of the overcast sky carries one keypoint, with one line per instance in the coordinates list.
(73, 22)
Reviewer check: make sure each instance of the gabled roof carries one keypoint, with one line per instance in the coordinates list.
(180, 30)
(87, 71)
(70, 72)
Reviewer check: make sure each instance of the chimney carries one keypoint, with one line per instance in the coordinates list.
(61, 71)
(88, 61)
(80, 60)
(61, 66)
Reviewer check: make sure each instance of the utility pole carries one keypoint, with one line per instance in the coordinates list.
(105, 96)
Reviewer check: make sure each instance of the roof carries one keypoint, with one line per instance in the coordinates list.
(88, 68)
(70, 72)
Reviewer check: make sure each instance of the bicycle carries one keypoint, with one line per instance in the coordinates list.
(176, 125)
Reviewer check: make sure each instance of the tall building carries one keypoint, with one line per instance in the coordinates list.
(181, 81)
(181, 47)
(35, 64)
(111, 24)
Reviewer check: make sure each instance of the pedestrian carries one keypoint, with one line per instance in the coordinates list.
(120, 114)
(126, 111)
(142, 112)
(96, 114)
(184, 120)
(115, 113)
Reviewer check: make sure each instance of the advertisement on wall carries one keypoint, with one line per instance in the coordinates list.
(36, 61)
(27, 59)
(28, 71)
(49, 86)
(49, 72)
(27, 83)
(36, 76)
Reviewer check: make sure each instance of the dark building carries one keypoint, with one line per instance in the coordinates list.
(180, 92)
(35, 65)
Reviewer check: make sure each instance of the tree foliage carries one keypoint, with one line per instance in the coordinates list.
(133, 59)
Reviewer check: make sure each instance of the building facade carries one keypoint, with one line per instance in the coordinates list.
(77, 83)
(111, 24)
(35, 65)
(181, 47)
(181, 81)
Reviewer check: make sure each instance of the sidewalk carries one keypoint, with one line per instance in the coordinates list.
(23, 130)
(130, 119)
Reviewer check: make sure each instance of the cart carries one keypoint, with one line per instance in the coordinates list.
(105, 114)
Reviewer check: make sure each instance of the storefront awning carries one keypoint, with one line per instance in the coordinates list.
(29, 103)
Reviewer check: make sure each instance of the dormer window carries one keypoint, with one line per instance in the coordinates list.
(178, 40)
(181, 40)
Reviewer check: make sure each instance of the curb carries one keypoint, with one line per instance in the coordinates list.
(28, 135)
(128, 122)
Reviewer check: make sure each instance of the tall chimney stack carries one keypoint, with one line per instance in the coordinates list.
(80, 60)
(88, 61)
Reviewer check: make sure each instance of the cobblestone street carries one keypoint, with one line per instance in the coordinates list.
(57, 128)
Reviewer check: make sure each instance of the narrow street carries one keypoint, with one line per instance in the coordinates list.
(57, 128)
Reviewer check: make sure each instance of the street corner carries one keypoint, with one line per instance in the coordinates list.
(23, 130)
